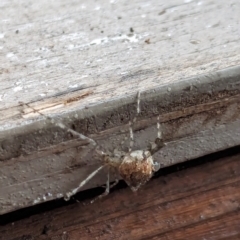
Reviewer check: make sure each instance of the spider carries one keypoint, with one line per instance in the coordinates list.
(135, 167)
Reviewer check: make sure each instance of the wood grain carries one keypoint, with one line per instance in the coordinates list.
(83, 63)
(195, 203)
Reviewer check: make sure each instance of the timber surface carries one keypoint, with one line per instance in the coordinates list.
(199, 202)
(83, 64)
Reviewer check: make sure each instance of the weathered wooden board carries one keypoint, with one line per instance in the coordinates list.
(195, 203)
(82, 64)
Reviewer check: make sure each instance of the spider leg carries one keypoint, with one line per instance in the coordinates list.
(114, 183)
(159, 141)
(107, 190)
(77, 134)
(133, 121)
(108, 186)
(75, 190)
(62, 126)
(82, 137)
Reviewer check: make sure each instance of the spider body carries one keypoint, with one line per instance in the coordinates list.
(136, 167)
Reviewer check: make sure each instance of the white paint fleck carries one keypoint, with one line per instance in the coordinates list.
(172, 10)
(42, 94)
(187, 1)
(18, 82)
(124, 73)
(70, 47)
(12, 56)
(143, 15)
(2, 35)
(113, 1)
(131, 38)
(99, 41)
(73, 86)
(104, 40)
(44, 198)
(17, 89)
(38, 200)
(6, 20)
(83, 6)
(1, 97)
(59, 195)
(1, 47)
(199, 3)
(97, 8)
(83, 76)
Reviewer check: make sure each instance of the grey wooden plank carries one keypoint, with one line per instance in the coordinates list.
(82, 64)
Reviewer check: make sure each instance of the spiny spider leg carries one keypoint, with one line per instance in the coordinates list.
(77, 134)
(75, 190)
(82, 137)
(133, 121)
(159, 141)
(86, 180)
(62, 126)
(107, 189)
(116, 153)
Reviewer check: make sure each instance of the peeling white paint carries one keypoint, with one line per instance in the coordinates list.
(73, 86)
(6, 20)
(17, 89)
(12, 56)
(83, 76)
(1, 99)
(70, 47)
(36, 201)
(97, 8)
(128, 38)
(59, 195)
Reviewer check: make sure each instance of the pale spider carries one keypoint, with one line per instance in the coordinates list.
(135, 167)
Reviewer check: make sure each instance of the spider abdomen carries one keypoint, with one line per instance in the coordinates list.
(136, 168)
